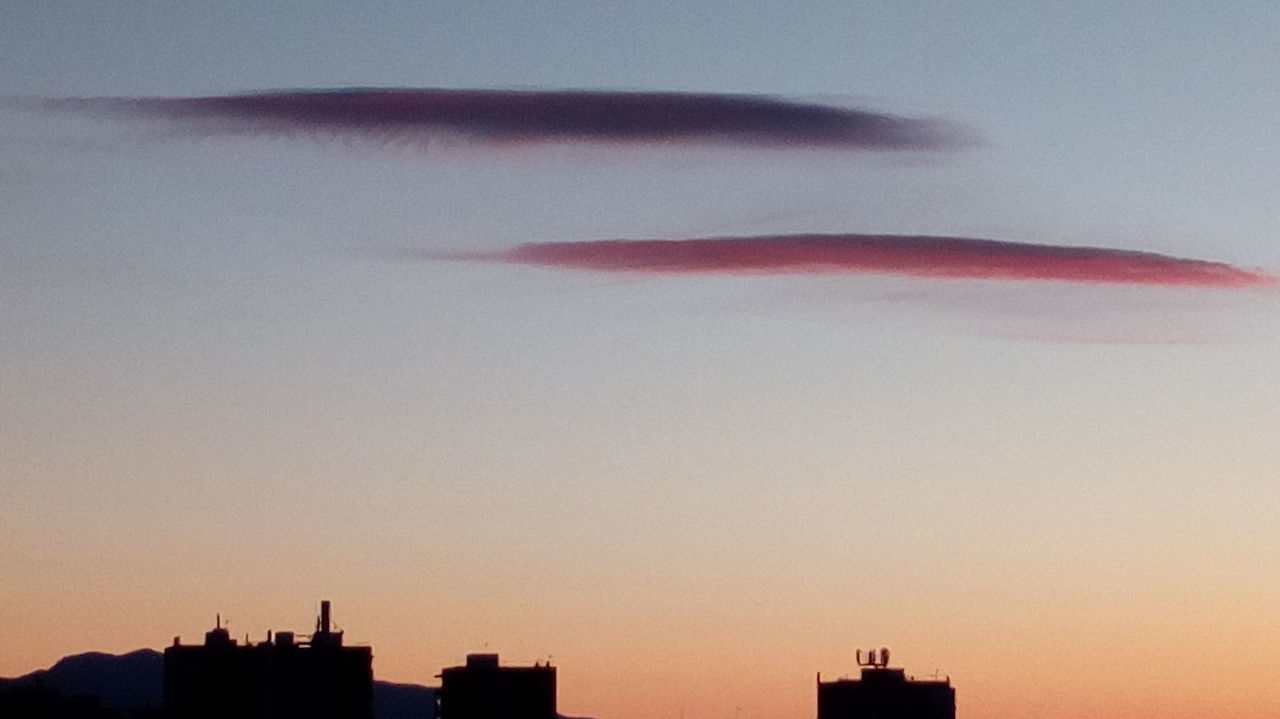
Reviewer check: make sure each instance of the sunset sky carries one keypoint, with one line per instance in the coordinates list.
(662, 407)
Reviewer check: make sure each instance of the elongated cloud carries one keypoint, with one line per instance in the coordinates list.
(920, 256)
(541, 116)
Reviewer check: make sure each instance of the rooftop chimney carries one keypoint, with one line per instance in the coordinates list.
(324, 616)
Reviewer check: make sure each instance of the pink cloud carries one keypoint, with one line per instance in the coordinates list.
(917, 256)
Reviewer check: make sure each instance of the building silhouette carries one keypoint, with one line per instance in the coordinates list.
(281, 678)
(482, 689)
(885, 693)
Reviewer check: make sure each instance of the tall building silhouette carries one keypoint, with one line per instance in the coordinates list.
(482, 689)
(885, 693)
(281, 678)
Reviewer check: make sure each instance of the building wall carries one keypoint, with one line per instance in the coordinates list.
(268, 681)
(886, 694)
(484, 690)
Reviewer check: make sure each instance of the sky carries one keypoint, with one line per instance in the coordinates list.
(464, 381)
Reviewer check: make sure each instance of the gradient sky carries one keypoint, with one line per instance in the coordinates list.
(234, 379)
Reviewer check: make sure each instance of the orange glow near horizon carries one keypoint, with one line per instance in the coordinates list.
(1145, 593)
(1128, 657)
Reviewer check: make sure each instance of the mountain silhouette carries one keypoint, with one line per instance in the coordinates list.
(131, 686)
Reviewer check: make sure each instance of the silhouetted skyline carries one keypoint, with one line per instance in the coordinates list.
(316, 676)
(282, 677)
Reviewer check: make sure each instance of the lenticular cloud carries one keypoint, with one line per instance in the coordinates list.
(919, 256)
(532, 116)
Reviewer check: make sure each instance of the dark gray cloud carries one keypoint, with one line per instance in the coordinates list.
(536, 116)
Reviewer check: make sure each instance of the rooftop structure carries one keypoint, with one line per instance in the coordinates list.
(885, 693)
(482, 689)
(281, 678)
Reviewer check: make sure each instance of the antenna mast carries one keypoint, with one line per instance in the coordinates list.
(875, 658)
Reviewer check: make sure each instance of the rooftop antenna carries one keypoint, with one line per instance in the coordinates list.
(876, 658)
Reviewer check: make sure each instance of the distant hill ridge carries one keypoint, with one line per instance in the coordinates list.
(132, 685)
